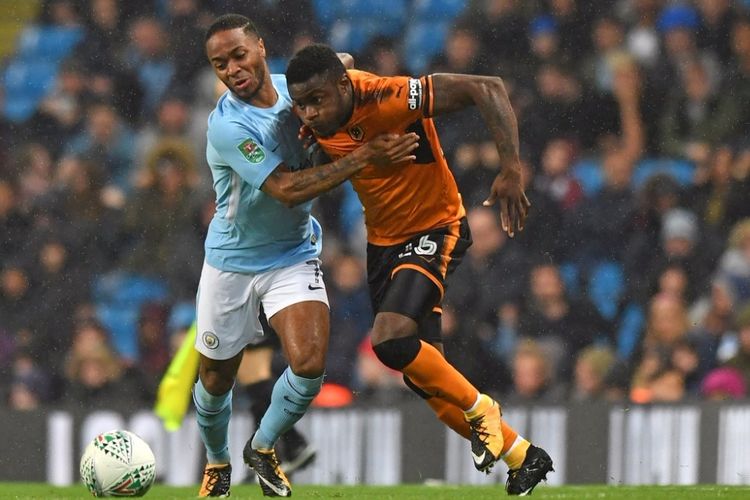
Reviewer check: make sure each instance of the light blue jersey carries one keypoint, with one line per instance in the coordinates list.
(252, 232)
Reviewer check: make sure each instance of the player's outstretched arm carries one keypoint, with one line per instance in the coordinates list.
(452, 92)
(293, 188)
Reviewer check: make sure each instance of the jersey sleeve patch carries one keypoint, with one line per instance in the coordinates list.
(252, 151)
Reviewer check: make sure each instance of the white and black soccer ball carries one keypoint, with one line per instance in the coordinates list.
(118, 464)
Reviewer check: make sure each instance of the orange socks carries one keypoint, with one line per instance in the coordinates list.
(432, 373)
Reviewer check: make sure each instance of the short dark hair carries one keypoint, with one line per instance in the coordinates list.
(314, 60)
(229, 22)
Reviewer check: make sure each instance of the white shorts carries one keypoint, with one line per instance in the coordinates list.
(228, 304)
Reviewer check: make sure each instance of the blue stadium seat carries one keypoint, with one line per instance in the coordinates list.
(18, 109)
(437, 10)
(570, 274)
(353, 35)
(589, 174)
(25, 84)
(605, 286)
(119, 297)
(423, 41)
(629, 330)
(277, 64)
(122, 324)
(682, 171)
(327, 11)
(29, 78)
(47, 42)
(382, 10)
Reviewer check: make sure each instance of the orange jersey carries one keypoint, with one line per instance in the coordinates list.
(403, 200)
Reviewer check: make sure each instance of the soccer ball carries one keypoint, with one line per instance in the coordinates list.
(118, 464)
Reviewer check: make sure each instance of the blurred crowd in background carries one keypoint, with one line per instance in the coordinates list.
(631, 281)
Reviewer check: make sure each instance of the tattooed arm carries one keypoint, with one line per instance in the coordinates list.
(293, 188)
(452, 92)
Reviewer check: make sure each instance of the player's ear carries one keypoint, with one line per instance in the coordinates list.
(261, 47)
(343, 83)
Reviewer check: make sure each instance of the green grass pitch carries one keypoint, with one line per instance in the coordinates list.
(411, 492)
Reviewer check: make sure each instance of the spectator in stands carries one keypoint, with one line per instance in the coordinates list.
(34, 170)
(591, 367)
(533, 377)
(712, 320)
(382, 57)
(685, 359)
(351, 317)
(562, 325)
(741, 360)
(556, 179)
(678, 24)
(608, 40)
(544, 234)
(148, 56)
(674, 281)
(172, 123)
(694, 114)
(502, 31)
(95, 375)
(29, 384)
(109, 142)
(14, 223)
(160, 220)
(724, 383)
(606, 216)
(642, 39)
(462, 53)
(105, 34)
(716, 18)
(17, 303)
(61, 112)
(573, 19)
(153, 346)
(184, 23)
(709, 194)
(735, 263)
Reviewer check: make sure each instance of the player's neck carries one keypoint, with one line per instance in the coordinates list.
(266, 96)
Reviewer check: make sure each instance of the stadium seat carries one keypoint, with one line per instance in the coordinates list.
(437, 10)
(119, 297)
(629, 330)
(48, 43)
(383, 10)
(422, 42)
(682, 171)
(589, 174)
(605, 286)
(327, 11)
(354, 35)
(29, 78)
(570, 275)
(25, 84)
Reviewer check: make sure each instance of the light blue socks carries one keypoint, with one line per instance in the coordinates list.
(290, 399)
(213, 413)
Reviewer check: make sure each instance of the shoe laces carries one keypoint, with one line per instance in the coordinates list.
(212, 476)
(480, 430)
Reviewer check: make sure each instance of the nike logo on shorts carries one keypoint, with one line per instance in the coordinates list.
(314, 287)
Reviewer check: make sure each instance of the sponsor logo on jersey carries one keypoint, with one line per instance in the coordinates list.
(414, 98)
(252, 151)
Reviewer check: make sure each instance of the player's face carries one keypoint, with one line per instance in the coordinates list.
(323, 104)
(239, 60)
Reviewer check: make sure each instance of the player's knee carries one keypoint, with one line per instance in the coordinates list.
(310, 366)
(216, 383)
(389, 326)
(397, 353)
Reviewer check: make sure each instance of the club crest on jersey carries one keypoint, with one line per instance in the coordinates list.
(252, 151)
(414, 98)
(356, 133)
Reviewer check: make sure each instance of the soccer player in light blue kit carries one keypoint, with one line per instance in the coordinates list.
(262, 248)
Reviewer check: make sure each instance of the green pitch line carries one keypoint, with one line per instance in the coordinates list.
(411, 492)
